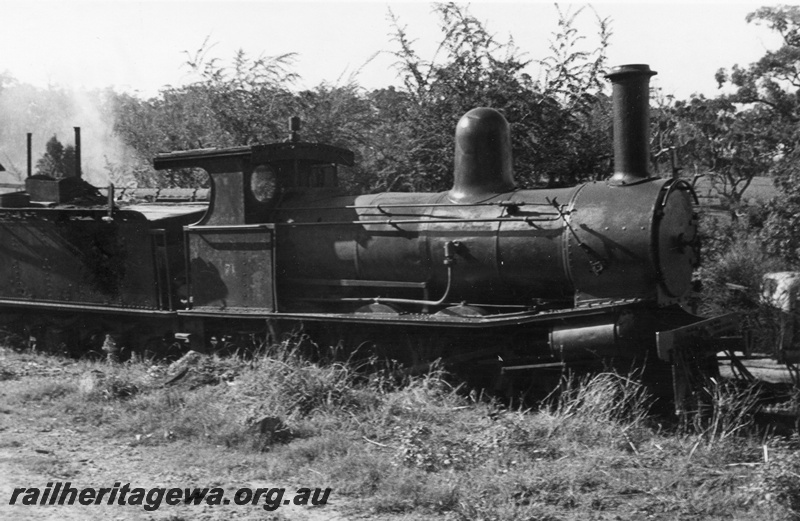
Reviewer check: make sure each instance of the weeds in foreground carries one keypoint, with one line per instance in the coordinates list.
(605, 397)
(418, 446)
(732, 410)
(779, 479)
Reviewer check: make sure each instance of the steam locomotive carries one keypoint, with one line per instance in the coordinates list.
(502, 280)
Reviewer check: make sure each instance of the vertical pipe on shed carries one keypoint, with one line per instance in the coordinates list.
(78, 172)
(30, 161)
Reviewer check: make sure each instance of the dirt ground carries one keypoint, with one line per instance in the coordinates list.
(36, 449)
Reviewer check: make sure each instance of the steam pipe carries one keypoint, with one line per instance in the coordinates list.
(631, 102)
(78, 172)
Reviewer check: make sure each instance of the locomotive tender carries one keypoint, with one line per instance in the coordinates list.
(485, 275)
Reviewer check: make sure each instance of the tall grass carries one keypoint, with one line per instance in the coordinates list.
(604, 397)
(605, 406)
(733, 409)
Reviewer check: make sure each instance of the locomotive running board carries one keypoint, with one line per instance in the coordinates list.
(416, 319)
(88, 308)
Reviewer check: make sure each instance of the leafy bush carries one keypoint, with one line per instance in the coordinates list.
(732, 280)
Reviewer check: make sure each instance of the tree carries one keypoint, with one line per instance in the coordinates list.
(774, 80)
(58, 161)
(560, 125)
(402, 137)
(767, 93)
(720, 141)
(243, 103)
(771, 87)
(250, 100)
(246, 102)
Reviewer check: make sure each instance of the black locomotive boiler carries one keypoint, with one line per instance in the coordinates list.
(500, 280)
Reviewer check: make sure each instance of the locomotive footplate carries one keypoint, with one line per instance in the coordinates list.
(692, 351)
(704, 337)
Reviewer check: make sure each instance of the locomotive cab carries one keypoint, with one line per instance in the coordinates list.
(231, 250)
(248, 182)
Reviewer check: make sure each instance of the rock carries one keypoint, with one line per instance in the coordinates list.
(271, 429)
(190, 359)
(175, 377)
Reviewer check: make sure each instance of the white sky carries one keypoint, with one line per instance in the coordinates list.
(138, 45)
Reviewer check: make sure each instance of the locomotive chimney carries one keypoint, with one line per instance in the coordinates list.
(77, 152)
(631, 101)
(483, 156)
